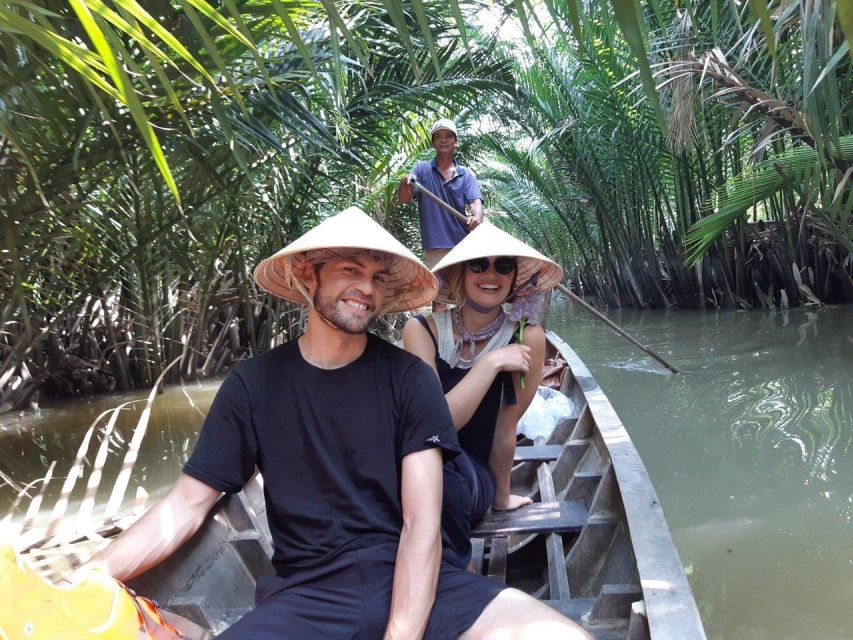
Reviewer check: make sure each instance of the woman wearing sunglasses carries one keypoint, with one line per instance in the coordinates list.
(475, 351)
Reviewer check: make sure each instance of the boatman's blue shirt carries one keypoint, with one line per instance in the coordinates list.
(439, 229)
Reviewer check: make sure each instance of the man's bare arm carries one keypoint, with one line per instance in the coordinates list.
(476, 215)
(404, 191)
(419, 554)
(158, 533)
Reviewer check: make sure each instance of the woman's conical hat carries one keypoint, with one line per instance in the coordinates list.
(409, 285)
(536, 273)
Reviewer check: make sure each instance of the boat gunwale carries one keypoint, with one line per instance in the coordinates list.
(670, 606)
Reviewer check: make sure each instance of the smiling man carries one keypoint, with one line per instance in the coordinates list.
(453, 183)
(349, 433)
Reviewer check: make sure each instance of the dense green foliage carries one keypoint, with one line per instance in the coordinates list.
(107, 276)
(151, 153)
(730, 188)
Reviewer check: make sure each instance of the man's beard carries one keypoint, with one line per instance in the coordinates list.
(327, 306)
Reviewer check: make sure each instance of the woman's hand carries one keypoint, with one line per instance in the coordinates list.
(512, 503)
(513, 357)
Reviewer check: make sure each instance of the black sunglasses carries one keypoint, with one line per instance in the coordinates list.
(503, 265)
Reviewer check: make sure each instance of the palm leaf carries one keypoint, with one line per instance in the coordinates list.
(398, 19)
(96, 34)
(746, 190)
(844, 12)
(297, 40)
(423, 23)
(760, 10)
(217, 18)
(628, 16)
(135, 10)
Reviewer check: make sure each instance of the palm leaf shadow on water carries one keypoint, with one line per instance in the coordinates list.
(68, 540)
(804, 428)
(807, 408)
(794, 416)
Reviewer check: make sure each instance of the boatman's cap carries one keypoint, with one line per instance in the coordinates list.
(446, 124)
(351, 232)
(535, 272)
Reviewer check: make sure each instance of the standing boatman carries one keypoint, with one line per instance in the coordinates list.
(453, 183)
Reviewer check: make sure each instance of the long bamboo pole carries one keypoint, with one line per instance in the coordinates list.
(563, 289)
(613, 325)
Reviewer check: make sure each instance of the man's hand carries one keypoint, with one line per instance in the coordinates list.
(405, 192)
(474, 221)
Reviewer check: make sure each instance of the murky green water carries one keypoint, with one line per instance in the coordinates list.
(750, 452)
(31, 441)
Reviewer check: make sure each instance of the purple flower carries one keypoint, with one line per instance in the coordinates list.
(530, 307)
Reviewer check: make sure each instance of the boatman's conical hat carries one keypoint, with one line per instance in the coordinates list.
(536, 273)
(409, 285)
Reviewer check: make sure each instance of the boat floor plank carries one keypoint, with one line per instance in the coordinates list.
(478, 546)
(497, 559)
(558, 579)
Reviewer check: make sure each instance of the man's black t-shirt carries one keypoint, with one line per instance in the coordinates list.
(329, 444)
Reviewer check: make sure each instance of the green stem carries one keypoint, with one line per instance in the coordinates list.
(521, 341)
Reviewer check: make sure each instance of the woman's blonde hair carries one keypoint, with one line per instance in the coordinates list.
(455, 278)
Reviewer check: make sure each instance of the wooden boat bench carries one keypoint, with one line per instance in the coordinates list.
(553, 517)
(550, 517)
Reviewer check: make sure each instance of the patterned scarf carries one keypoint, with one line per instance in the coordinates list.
(471, 339)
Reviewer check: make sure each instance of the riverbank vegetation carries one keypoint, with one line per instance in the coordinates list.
(695, 155)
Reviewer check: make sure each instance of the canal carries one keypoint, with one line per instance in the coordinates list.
(749, 450)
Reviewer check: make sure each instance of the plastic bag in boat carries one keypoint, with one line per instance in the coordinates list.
(544, 412)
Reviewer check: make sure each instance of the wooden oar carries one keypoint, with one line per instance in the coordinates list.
(613, 325)
(417, 186)
(563, 289)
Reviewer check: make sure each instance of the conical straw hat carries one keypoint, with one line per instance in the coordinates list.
(409, 285)
(488, 241)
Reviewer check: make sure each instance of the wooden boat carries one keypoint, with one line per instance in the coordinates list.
(594, 545)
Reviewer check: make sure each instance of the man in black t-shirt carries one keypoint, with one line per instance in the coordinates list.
(349, 433)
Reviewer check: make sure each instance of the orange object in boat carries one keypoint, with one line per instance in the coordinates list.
(99, 608)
